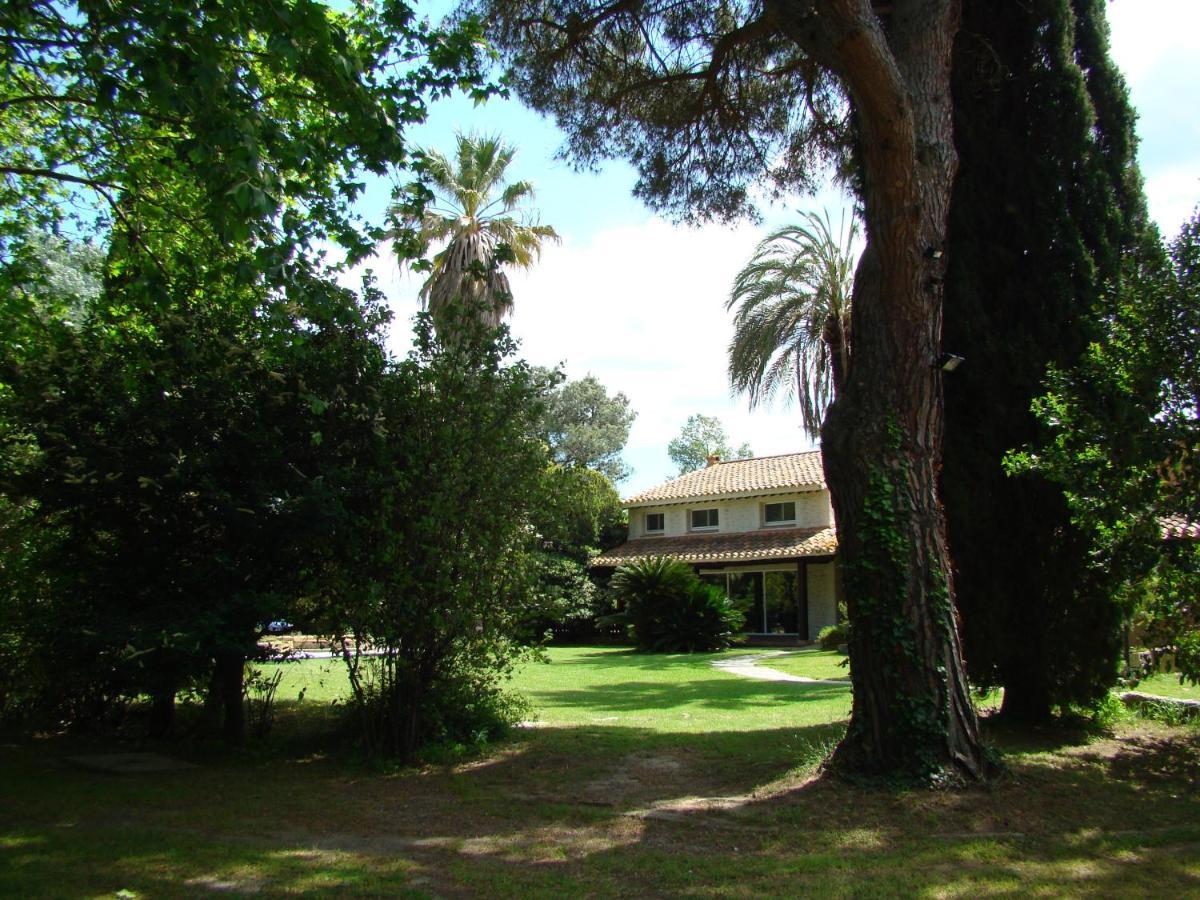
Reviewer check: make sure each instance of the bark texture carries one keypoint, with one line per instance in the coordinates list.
(882, 439)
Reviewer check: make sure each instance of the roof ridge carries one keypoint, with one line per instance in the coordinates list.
(756, 458)
(800, 470)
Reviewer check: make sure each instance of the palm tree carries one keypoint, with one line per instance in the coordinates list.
(792, 324)
(473, 212)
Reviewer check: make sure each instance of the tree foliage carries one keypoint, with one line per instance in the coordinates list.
(474, 214)
(255, 118)
(578, 513)
(700, 438)
(586, 427)
(1047, 201)
(437, 581)
(183, 447)
(174, 470)
(1124, 427)
(791, 330)
(706, 99)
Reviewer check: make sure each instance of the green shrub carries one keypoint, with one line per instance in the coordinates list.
(668, 609)
(832, 636)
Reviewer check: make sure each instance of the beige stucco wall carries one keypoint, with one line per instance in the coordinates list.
(813, 510)
(822, 604)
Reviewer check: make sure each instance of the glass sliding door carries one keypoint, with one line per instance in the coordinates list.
(746, 590)
(780, 603)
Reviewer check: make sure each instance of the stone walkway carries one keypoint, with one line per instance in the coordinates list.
(748, 667)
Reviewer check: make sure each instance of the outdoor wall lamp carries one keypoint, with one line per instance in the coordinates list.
(947, 362)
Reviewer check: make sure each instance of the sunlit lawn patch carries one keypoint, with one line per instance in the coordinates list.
(1165, 685)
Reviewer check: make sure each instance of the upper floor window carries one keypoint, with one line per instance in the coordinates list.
(655, 523)
(704, 519)
(779, 513)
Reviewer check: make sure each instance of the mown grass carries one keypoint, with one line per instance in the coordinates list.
(644, 775)
(1168, 685)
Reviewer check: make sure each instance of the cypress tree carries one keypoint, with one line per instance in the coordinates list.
(1048, 199)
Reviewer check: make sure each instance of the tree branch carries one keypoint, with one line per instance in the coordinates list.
(55, 175)
(46, 98)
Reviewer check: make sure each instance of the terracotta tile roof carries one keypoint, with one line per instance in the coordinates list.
(1178, 528)
(743, 546)
(797, 471)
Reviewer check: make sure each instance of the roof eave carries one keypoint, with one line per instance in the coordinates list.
(636, 503)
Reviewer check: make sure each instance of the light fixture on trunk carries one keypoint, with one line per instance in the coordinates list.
(947, 362)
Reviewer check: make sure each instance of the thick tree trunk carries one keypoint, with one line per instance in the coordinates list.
(882, 439)
(228, 677)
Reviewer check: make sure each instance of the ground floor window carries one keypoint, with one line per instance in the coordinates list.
(771, 600)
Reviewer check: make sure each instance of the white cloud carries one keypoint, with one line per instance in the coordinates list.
(1143, 31)
(1156, 43)
(642, 307)
(1173, 194)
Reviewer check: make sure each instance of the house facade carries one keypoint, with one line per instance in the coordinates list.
(760, 528)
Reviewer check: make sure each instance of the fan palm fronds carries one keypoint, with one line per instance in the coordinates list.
(476, 216)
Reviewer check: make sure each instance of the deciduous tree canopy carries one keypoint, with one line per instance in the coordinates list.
(700, 438)
(584, 426)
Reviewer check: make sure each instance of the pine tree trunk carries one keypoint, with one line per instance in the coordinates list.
(882, 439)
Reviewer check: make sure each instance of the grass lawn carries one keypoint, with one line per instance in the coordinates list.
(653, 775)
(1168, 686)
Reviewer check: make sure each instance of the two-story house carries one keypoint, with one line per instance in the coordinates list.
(761, 528)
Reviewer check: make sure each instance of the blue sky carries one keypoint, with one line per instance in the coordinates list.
(639, 302)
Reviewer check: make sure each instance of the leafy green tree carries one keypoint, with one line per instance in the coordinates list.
(478, 217)
(1124, 439)
(1046, 203)
(174, 466)
(437, 577)
(584, 426)
(266, 111)
(578, 513)
(700, 438)
(791, 330)
(709, 100)
(172, 453)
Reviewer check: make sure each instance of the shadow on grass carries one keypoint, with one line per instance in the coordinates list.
(1055, 734)
(608, 811)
